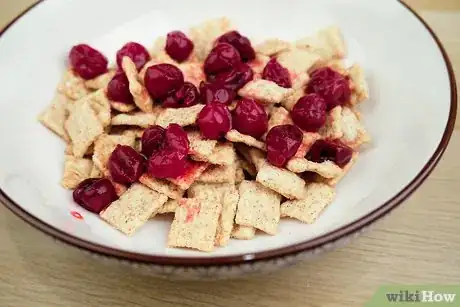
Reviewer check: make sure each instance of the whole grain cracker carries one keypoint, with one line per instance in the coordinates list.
(309, 138)
(169, 207)
(194, 172)
(230, 199)
(100, 81)
(83, 127)
(272, 46)
(200, 146)
(332, 129)
(75, 171)
(218, 174)
(297, 60)
(204, 35)
(72, 85)
(326, 169)
(162, 186)
(264, 91)
(122, 107)
(95, 172)
(195, 224)
(354, 133)
(258, 207)
(140, 119)
(99, 103)
(360, 89)
(140, 94)
(328, 43)
(55, 114)
(133, 208)
(181, 116)
(223, 154)
(258, 64)
(251, 154)
(239, 171)
(317, 197)
(281, 181)
(241, 232)
(236, 137)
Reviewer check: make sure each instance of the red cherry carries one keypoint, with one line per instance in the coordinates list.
(331, 85)
(87, 62)
(214, 121)
(273, 71)
(241, 43)
(176, 139)
(186, 96)
(216, 92)
(95, 194)
(167, 163)
(178, 46)
(250, 118)
(328, 150)
(126, 165)
(152, 140)
(162, 80)
(235, 78)
(138, 54)
(283, 141)
(309, 113)
(221, 58)
(118, 89)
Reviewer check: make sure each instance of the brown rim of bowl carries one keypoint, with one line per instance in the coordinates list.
(265, 255)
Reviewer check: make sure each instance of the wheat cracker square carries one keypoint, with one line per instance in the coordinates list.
(345, 170)
(298, 60)
(195, 224)
(326, 169)
(223, 154)
(83, 127)
(258, 207)
(169, 207)
(72, 85)
(181, 116)
(200, 146)
(193, 72)
(281, 181)
(328, 43)
(317, 197)
(75, 171)
(162, 186)
(99, 103)
(360, 89)
(140, 119)
(237, 137)
(272, 46)
(140, 94)
(241, 232)
(218, 174)
(332, 129)
(105, 145)
(133, 209)
(258, 65)
(122, 107)
(264, 91)
(230, 199)
(354, 133)
(55, 115)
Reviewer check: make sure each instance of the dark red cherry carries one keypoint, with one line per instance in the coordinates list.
(329, 150)
(118, 89)
(87, 62)
(136, 52)
(167, 163)
(126, 165)
(241, 43)
(186, 96)
(214, 121)
(331, 85)
(162, 80)
(273, 71)
(178, 46)
(221, 58)
(309, 113)
(176, 139)
(250, 118)
(152, 140)
(235, 78)
(216, 92)
(95, 194)
(283, 141)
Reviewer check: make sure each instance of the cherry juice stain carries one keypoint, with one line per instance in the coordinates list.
(76, 215)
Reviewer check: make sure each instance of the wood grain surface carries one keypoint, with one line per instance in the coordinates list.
(419, 243)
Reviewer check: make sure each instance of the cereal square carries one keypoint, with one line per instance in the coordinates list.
(281, 180)
(223, 154)
(200, 146)
(354, 133)
(195, 224)
(182, 116)
(169, 207)
(193, 72)
(360, 89)
(141, 96)
(297, 60)
(272, 46)
(100, 81)
(204, 34)
(317, 197)
(83, 127)
(54, 116)
(133, 208)
(140, 119)
(99, 103)
(230, 199)
(105, 145)
(264, 91)
(241, 232)
(194, 171)
(326, 169)
(236, 137)
(122, 107)
(345, 170)
(72, 86)
(332, 129)
(75, 171)
(219, 174)
(328, 43)
(258, 207)
(162, 186)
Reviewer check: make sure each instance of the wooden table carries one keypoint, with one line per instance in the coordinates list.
(424, 232)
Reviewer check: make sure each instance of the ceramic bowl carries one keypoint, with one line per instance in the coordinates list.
(410, 116)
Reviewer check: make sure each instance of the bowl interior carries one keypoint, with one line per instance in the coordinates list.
(406, 114)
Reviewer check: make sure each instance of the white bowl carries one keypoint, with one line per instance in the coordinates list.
(410, 115)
